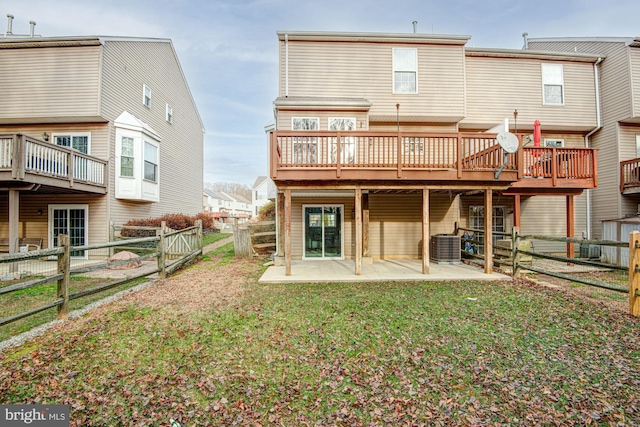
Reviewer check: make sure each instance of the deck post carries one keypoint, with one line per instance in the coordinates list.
(358, 219)
(162, 264)
(365, 225)
(515, 256)
(14, 220)
(425, 231)
(488, 231)
(634, 276)
(570, 225)
(516, 210)
(287, 232)
(280, 225)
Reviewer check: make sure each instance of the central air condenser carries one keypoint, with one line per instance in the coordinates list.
(445, 248)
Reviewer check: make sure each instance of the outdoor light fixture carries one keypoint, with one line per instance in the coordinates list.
(45, 136)
(39, 212)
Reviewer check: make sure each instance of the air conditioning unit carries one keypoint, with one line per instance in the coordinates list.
(445, 249)
(590, 251)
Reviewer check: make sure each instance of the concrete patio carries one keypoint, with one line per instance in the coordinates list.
(379, 271)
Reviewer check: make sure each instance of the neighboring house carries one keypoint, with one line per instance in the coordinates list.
(94, 130)
(383, 140)
(263, 191)
(240, 206)
(618, 134)
(231, 205)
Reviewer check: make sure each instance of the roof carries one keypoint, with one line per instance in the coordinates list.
(626, 40)
(374, 37)
(532, 54)
(316, 102)
(216, 195)
(259, 181)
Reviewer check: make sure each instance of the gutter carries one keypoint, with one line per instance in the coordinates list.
(586, 139)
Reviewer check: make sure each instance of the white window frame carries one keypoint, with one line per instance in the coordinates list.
(169, 115)
(146, 99)
(305, 149)
(145, 143)
(552, 78)
(342, 232)
(399, 67)
(72, 135)
(132, 157)
(480, 246)
(553, 142)
(67, 207)
(347, 143)
(638, 145)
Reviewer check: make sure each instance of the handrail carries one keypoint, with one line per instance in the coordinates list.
(629, 174)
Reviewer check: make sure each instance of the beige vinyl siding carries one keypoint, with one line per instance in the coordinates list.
(284, 118)
(478, 200)
(634, 55)
(365, 70)
(127, 66)
(546, 215)
(498, 86)
(49, 83)
(33, 225)
(629, 203)
(413, 127)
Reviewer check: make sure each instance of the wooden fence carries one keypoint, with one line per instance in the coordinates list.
(171, 249)
(251, 236)
(474, 237)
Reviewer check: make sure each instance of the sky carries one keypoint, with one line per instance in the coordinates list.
(228, 49)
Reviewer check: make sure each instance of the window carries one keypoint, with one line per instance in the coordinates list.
(146, 96)
(126, 157)
(305, 147)
(554, 143)
(77, 141)
(347, 143)
(553, 84)
(169, 114)
(405, 70)
(476, 221)
(150, 162)
(638, 145)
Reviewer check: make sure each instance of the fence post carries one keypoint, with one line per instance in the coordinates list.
(634, 276)
(515, 257)
(64, 267)
(199, 234)
(161, 255)
(242, 241)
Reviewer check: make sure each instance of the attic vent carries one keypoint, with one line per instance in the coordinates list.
(445, 248)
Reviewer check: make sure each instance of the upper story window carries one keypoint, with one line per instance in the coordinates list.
(405, 70)
(553, 84)
(342, 123)
(77, 141)
(146, 95)
(169, 114)
(127, 157)
(305, 148)
(305, 123)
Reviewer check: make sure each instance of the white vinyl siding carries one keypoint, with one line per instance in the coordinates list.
(405, 70)
(553, 84)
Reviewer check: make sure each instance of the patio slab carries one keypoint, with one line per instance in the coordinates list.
(379, 271)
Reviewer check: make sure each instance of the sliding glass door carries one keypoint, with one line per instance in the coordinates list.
(322, 231)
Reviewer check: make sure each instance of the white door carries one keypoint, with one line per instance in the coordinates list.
(70, 220)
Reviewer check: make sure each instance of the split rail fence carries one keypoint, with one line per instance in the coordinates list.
(171, 249)
(474, 238)
(251, 237)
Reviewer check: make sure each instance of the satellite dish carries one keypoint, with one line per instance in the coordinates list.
(508, 141)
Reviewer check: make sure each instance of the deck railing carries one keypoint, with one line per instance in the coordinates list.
(559, 163)
(630, 174)
(22, 154)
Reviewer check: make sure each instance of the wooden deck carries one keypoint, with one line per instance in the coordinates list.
(630, 176)
(26, 160)
(456, 159)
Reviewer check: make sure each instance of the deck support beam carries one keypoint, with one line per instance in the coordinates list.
(570, 225)
(516, 210)
(287, 232)
(358, 220)
(488, 231)
(365, 225)
(425, 231)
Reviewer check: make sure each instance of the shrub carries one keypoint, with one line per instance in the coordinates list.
(176, 221)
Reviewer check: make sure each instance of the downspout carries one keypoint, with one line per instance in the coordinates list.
(586, 138)
(286, 65)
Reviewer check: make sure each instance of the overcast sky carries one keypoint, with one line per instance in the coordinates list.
(228, 48)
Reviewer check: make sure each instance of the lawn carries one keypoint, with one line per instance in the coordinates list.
(211, 346)
(208, 239)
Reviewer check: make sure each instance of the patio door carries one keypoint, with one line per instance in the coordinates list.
(322, 232)
(72, 221)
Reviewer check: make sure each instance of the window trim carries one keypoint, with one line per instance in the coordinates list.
(71, 135)
(562, 94)
(133, 157)
(67, 207)
(146, 88)
(638, 145)
(547, 140)
(148, 142)
(394, 70)
(169, 114)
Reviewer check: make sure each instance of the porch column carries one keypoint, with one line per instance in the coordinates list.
(488, 231)
(425, 231)
(280, 224)
(516, 210)
(14, 219)
(358, 219)
(287, 232)
(365, 225)
(570, 225)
